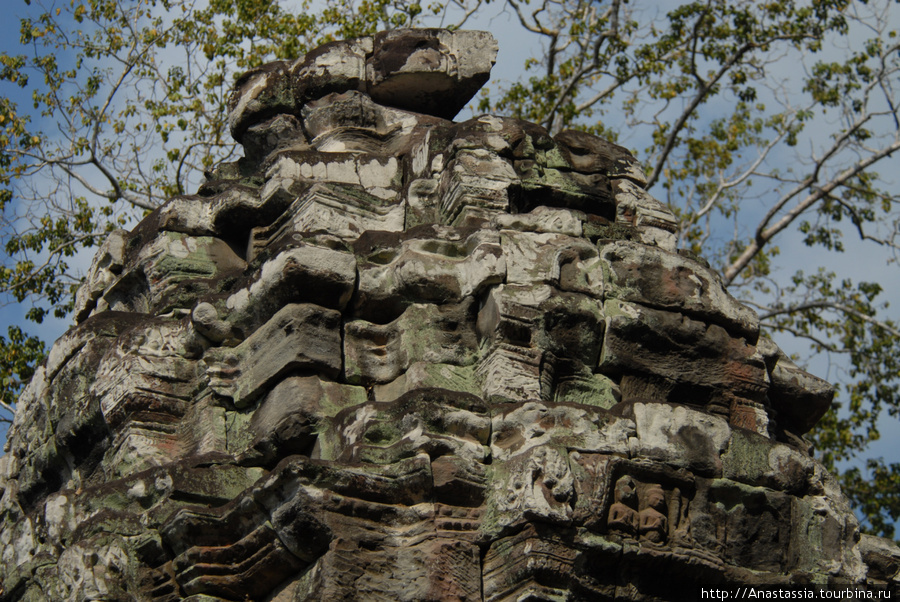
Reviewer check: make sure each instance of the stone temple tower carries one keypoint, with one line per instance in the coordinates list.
(388, 356)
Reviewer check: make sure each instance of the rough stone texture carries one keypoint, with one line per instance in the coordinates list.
(386, 356)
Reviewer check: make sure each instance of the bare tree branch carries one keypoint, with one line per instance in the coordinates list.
(765, 234)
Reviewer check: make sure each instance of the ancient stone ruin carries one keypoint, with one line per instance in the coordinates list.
(386, 356)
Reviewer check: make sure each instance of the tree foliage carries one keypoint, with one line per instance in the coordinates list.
(765, 126)
(18, 355)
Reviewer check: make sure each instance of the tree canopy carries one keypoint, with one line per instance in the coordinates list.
(765, 126)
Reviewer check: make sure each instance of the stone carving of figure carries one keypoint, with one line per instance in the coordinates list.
(653, 524)
(623, 515)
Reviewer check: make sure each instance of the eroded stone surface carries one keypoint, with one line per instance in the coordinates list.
(386, 356)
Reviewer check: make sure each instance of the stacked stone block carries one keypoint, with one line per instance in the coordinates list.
(388, 356)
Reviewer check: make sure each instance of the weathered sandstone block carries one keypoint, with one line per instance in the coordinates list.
(386, 356)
